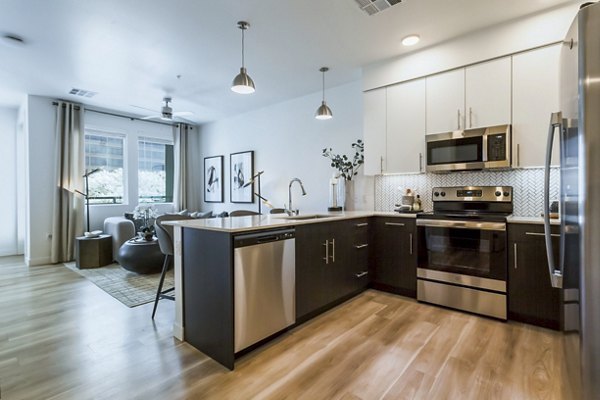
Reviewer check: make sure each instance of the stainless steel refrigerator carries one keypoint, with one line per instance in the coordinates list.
(577, 271)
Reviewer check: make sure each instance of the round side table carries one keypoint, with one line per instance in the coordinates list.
(141, 256)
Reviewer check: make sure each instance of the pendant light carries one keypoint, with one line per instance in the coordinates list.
(323, 112)
(242, 83)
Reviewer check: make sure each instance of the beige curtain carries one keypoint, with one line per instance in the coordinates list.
(181, 132)
(67, 221)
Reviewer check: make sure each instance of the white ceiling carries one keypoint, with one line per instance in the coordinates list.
(131, 51)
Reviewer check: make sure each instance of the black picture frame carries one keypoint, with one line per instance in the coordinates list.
(241, 170)
(214, 189)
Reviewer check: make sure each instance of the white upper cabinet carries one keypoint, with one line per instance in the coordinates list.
(406, 127)
(488, 94)
(374, 130)
(521, 90)
(535, 97)
(445, 101)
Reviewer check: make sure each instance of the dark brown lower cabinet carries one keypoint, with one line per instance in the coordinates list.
(531, 297)
(331, 264)
(394, 255)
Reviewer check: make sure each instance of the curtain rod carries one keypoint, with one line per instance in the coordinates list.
(125, 116)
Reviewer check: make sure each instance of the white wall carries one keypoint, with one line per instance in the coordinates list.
(40, 164)
(511, 37)
(8, 181)
(288, 141)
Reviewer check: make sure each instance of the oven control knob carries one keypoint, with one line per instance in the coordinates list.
(436, 194)
(498, 193)
(443, 194)
(506, 194)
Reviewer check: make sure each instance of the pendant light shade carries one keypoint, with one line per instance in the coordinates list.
(323, 112)
(242, 83)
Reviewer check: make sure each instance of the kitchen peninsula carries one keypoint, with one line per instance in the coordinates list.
(330, 259)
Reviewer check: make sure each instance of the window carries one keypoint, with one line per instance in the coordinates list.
(105, 151)
(155, 170)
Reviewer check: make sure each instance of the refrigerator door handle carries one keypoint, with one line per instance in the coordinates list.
(556, 275)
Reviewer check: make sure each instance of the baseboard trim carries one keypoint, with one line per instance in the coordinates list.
(178, 331)
(37, 261)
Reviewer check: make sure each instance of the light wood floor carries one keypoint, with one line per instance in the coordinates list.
(63, 338)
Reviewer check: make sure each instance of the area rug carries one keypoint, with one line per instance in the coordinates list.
(129, 288)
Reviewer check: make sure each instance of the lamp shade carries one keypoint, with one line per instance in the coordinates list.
(323, 112)
(242, 83)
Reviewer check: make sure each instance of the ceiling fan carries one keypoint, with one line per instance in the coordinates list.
(167, 114)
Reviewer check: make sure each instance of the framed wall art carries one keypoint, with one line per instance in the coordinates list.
(213, 179)
(241, 170)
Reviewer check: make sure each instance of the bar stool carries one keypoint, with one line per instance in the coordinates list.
(164, 233)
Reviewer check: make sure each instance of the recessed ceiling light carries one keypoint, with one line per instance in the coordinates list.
(411, 40)
(12, 39)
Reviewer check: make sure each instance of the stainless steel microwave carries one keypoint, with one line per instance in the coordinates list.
(481, 148)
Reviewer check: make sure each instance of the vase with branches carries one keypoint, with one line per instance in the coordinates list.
(346, 169)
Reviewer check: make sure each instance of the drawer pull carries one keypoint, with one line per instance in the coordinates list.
(541, 234)
(362, 224)
(361, 274)
(394, 224)
(361, 246)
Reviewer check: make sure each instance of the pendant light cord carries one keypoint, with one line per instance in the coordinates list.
(243, 29)
(323, 86)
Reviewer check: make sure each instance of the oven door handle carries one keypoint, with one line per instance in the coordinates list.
(484, 226)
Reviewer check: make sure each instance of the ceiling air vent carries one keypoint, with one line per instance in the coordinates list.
(82, 93)
(374, 6)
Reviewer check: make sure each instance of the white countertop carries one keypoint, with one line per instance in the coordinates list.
(530, 220)
(255, 222)
(268, 221)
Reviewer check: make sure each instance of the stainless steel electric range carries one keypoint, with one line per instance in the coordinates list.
(462, 259)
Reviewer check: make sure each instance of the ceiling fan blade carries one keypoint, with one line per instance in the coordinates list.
(185, 120)
(151, 117)
(144, 108)
(182, 113)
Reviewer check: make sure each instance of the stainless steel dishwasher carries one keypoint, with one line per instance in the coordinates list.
(264, 285)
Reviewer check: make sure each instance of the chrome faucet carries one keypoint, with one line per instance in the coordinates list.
(290, 209)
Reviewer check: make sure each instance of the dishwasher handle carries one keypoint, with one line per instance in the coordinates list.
(267, 239)
(251, 239)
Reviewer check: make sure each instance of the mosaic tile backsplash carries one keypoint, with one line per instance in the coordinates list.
(528, 187)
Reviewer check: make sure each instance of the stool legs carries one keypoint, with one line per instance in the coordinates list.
(160, 294)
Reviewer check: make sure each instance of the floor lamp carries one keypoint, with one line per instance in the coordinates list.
(261, 199)
(86, 195)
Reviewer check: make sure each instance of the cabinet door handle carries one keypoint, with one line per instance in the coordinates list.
(420, 162)
(326, 244)
(362, 224)
(332, 250)
(361, 274)
(518, 155)
(381, 164)
(470, 117)
(516, 256)
(361, 246)
(410, 235)
(541, 234)
(394, 224)
(458, 113)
